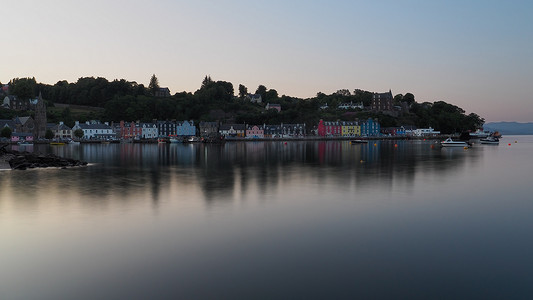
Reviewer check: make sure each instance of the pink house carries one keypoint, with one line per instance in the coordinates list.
(255, 132)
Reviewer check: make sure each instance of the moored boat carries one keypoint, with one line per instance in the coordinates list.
(358, 142)
(490, 141)
(451, 143)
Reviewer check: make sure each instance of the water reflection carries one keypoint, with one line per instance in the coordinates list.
(224, 172)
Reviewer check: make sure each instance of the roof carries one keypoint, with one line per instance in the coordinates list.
(94, 126)
(235, 126)
(8, 123)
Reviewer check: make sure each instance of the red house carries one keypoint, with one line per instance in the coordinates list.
(329, 128)
(130, 130)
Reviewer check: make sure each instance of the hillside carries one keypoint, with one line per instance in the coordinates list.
(510, 127)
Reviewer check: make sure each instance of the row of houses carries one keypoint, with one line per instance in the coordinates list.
(95, 130)
(368, 128)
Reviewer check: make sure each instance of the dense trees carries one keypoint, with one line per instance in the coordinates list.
(216, 100)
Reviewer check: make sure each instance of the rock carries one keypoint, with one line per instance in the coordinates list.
(24, 160)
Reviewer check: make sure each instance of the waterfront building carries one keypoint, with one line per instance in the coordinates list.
(351, 105)
(185, 128)
(329, 129)
(166, 128)
(232, 130)
(61, 131)
(293, 130)
(95, 131)
(130, 130)
(350, 129)
(370, 128)
(208, 128)
(149, 130)
(272, 131)
(255, 131)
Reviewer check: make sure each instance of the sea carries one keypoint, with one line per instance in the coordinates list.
(391, 219)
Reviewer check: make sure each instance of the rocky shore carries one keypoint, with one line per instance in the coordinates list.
(24, 160)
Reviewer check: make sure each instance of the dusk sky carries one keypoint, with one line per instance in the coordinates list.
(477, 55)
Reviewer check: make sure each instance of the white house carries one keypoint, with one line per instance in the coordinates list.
(425, 132)
(95, 131)
(149, 131)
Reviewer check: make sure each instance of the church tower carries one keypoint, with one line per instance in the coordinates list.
(39, 130)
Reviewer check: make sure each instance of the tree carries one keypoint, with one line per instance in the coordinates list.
(243, 91)
(206, 82)
(23, 87)
(6, 132)
(261, 90)
(409, 98)
(154, 84)
(78, 133)
(49, 134)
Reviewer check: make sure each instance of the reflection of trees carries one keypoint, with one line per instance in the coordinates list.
(133, 172)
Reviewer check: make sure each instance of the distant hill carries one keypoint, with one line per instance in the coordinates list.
(510, 127)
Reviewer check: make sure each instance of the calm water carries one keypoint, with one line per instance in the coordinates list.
(252, 220)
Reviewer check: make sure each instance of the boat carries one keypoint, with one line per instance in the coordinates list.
(25, 143)
(480, 134)
(451, 143)
(57, 143)
(161, 141)
(491, 140)
(175, 140)
(358, 142)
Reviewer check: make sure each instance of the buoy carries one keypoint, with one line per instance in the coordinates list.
(509, 144)
(465, 147)
(285, 143)
(362, 161)
(375, 145)
(432, 146)
(515, 142)
(395, 145)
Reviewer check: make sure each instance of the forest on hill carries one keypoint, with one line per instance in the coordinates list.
(218, 100)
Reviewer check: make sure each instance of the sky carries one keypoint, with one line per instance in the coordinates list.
(477, 55)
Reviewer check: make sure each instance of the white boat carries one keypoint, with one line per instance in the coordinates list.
(451, 143)
(479, 134)
(174, 140)
(490, 141)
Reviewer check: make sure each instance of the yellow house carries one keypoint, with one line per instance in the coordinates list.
(350, 129)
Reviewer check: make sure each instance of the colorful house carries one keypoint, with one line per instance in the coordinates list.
(185, 128)
(166, 128)
(130, 130)
(232, 130)
(370, 128)
(350, 129)
(329, 129)
(255, 131)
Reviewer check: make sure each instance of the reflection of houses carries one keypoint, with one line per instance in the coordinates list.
(232, 130)
(61, 131)
(273, 106)
(185, 128)
(208, 128)
(166, 128)
(382, 101)
(95, 131)
(255, 132)
(149, 130)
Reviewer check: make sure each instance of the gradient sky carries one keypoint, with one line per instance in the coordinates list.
(473, 54)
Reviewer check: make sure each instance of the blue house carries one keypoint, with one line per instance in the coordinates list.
(185, 128)
(370, 128)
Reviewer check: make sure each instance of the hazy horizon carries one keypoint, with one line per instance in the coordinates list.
(474, 55)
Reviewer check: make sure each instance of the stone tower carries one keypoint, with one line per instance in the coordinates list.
(39, 130)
